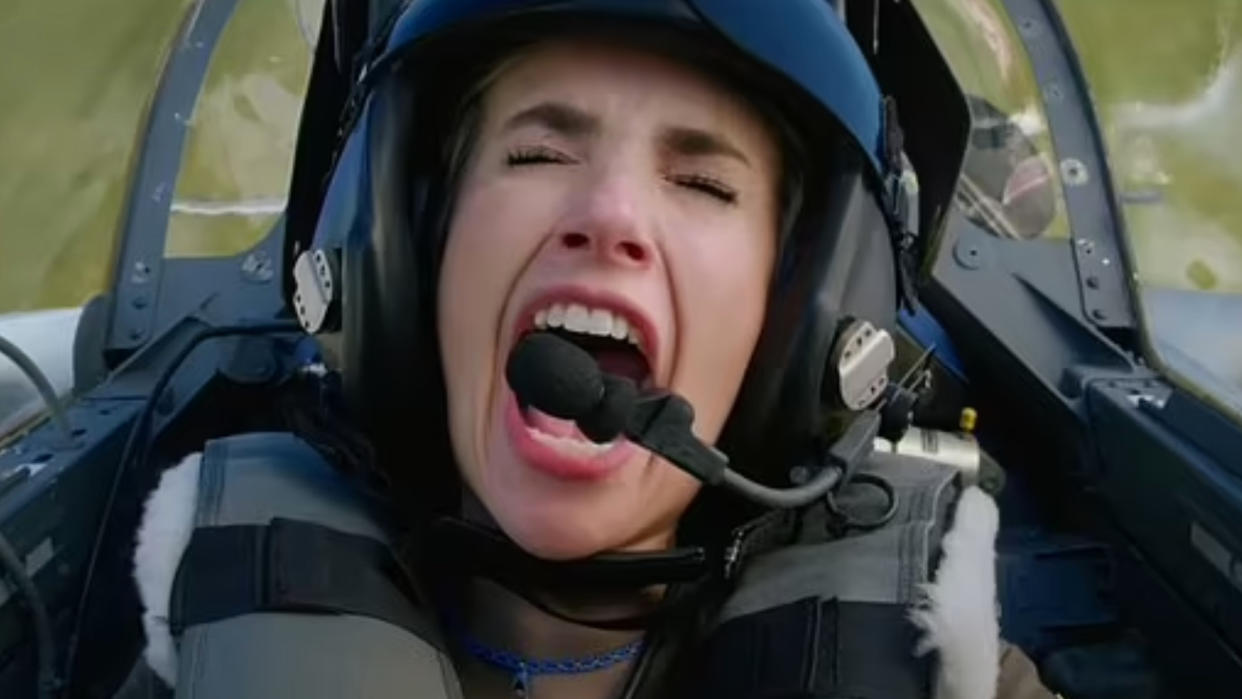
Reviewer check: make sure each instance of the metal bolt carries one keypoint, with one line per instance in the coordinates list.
(1074, 172)
(1099, 314)
(136, 333)
(141, 274)
(258, 267)
(972, 254)
(1053, 93)
(1093, 282)
(140, 301)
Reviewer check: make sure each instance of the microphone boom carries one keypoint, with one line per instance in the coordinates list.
(561, 379)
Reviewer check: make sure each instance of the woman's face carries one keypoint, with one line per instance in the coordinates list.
(631, 204)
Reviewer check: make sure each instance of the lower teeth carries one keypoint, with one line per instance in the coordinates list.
(571, 444)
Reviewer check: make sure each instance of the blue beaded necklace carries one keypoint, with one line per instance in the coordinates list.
(524, 669)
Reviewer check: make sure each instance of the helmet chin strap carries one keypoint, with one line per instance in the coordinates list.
(466, 548)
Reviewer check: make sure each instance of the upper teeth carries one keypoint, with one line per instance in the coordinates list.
(577, 318)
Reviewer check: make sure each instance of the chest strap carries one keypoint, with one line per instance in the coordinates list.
(289, 566)
(821, 649)
(287, 586)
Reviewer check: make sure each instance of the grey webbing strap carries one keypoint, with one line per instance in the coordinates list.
(828, 617)
(290, 566)
(884, 565)
(247, 482)
(816, 649)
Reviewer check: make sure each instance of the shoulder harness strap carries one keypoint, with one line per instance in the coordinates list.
(290, 566)
(828, 616)
(288, 586)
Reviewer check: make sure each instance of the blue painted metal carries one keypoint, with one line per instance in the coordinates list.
(1181, 506)
(928, 332)
(1097, 227)
(139, 272)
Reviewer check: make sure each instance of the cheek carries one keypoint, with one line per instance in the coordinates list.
(475, 277)
(721, 287)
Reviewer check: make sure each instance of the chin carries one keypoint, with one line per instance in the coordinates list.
(557, 533)
(564, 526)
(557, 502)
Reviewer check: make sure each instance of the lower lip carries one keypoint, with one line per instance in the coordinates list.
(546, 459)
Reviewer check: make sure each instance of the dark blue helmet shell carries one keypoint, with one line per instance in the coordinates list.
(804, 40)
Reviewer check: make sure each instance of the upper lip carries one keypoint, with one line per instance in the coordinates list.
(594, 298)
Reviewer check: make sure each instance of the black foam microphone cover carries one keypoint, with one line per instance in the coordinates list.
(554, 376)
(610, 414)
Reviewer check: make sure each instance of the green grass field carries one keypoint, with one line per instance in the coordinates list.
(240, 145)
(1167, 81)
(77, 79)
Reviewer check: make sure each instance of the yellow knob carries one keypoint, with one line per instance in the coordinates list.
(968, 419)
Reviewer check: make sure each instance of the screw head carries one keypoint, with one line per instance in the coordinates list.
(1074, 172)
(1029, 27)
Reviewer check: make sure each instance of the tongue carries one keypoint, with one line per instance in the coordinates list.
(622, 362)
(552, 425)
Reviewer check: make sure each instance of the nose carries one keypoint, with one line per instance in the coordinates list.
(607, 221)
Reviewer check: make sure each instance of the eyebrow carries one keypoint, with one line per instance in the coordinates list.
(696, 142)
(562, 118)
(572, 122)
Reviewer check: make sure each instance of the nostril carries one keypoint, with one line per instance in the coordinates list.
(575, 240)
(634, 251)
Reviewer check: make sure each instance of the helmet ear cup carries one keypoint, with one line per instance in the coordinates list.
(380, 278)
(387, 349)
(836, 268)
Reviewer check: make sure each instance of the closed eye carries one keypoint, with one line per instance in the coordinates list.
(535, 155)
(707, 185)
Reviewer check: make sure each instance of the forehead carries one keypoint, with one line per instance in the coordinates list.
(625, 84)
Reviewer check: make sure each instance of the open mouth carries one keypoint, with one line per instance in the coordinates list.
(620, 339)
(615, 342)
